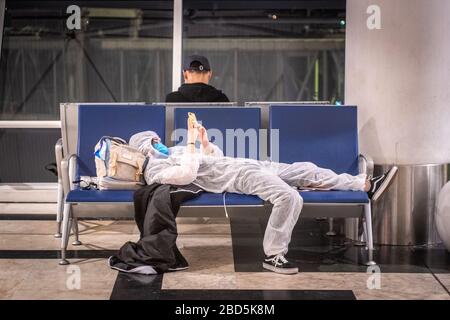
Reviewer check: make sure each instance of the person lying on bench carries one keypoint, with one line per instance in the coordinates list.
(271, 181)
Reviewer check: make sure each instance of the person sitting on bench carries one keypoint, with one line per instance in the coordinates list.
(275, 182)
(196, 74)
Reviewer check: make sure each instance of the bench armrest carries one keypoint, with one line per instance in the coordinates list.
(58, 157)
(365, 164)
(68, 166)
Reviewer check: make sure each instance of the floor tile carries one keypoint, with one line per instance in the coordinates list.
(225, 262)
(46, 280)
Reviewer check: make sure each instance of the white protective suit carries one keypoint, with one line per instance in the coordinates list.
(271, 181)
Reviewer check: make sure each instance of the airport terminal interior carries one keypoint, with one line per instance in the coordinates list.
(357, 86)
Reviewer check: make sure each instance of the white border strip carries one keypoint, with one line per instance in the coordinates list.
(30, 124)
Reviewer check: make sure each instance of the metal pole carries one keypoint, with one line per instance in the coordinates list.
(122, 75)
(177, 48)
(158, 78)
(236, 71)
(2, 20)
(316, 79)
(325, 75)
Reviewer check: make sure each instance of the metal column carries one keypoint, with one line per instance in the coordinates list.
(177, 49)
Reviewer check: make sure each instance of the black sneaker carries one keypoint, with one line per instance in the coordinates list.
(279, 264)
(180, 262)
(379, 184)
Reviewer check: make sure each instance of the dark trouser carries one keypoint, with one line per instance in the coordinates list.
(156, 207)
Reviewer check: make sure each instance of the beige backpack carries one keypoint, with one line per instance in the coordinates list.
(118, 165)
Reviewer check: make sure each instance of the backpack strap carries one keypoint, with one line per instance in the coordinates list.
(115, 139)
(113, 165)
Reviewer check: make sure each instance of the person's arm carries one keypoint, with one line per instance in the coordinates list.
(186, 171)
(182, 174)
(191, 137)
(206, 147)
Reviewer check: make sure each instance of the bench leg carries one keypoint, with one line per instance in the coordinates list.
(67, 220)
(77, 241)
(59, 209)
(368, 233)
(331, 232)
(364, 234)
(360, 241)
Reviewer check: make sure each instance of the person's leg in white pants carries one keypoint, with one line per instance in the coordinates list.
(308, 175)
(274, 182)
(287, 204)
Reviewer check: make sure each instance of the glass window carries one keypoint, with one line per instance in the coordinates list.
(123, 53)
(26, 153)
(270, 50)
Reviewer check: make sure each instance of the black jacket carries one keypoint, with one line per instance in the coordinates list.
(155, 209)
(197, 92)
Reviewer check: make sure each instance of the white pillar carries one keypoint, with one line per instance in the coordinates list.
(399, 77)
(177, 48)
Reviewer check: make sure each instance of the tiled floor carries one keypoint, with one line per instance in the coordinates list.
(225, 263)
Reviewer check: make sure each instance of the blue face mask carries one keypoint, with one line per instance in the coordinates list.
(161, 148)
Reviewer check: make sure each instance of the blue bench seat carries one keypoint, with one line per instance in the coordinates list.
(81, 196)
(231, 199)
(334, 197)
(122, 196)
(216, 199)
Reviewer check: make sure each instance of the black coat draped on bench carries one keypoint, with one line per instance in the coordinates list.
(156, 207)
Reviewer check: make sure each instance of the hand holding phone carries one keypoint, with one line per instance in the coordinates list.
(193, 120)
(192, 128)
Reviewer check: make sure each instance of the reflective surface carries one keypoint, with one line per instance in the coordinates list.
(443, 215)
(405, 214)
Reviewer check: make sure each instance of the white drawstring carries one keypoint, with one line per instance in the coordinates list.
(225, 205)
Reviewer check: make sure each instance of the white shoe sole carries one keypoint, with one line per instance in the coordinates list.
(386, 183)
(177, 269)
(280, 270)
(148, 270)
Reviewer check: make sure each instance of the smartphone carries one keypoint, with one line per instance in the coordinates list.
(193, 118)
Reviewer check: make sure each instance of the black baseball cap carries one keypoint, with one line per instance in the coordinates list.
(201, 65)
